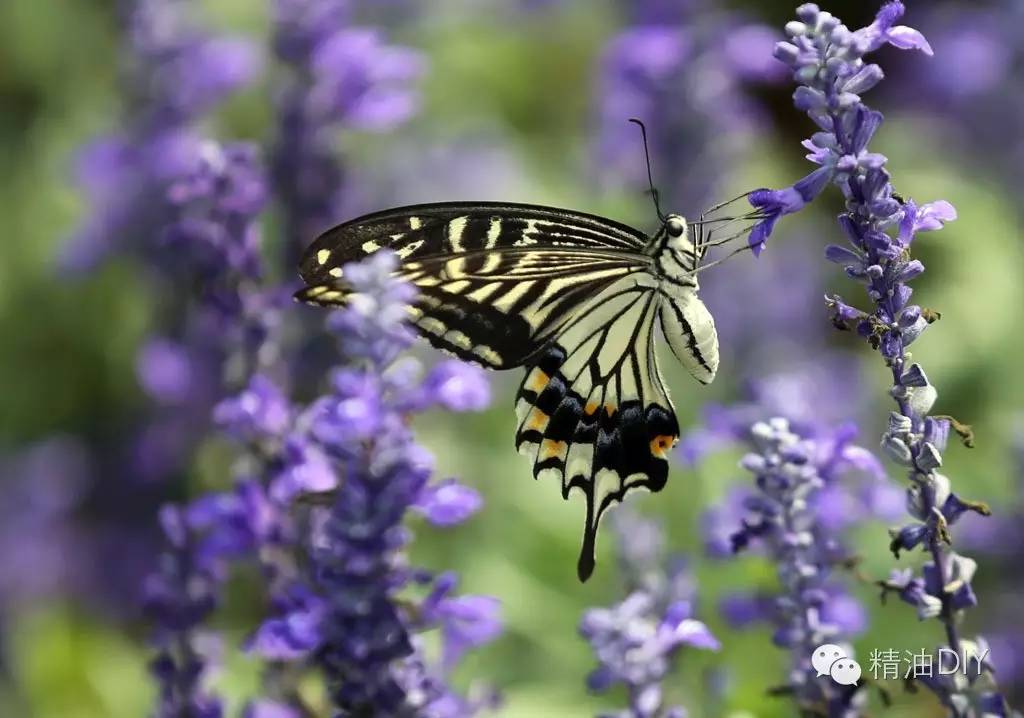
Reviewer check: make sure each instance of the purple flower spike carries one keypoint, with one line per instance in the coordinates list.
(828, 66)
(341, 77)
(810, 484)
(359, 631)
(827, 62)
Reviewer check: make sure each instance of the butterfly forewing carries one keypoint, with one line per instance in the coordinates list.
(446, 229)
(495, 280)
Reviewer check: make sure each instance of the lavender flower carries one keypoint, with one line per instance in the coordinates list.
(811, 484)
(343, 77)
(791, 473)
(637, 641)
(828, 65)
(41, 546)
(347, 616)
(223, 319)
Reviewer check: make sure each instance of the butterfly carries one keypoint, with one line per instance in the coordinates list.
(570, 297)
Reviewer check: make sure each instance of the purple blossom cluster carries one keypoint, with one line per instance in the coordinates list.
(345, 615)
(811, 609)
(670, 68)
(185, 208)
(175, 74)
(638, 641)
(179, 597)
(827, 60)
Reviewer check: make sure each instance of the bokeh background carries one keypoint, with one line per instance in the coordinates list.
(519, 100)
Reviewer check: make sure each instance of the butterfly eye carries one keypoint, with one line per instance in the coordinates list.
(674, 227)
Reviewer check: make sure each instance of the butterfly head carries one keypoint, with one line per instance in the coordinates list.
(675, 246)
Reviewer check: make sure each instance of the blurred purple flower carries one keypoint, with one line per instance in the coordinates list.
(447, 503)
(260, 411)
(637, 641)
(295, 631)
(343, 77)
(790, 473)
(458, 386)
(177, 73)
(177, 599)
(355, 441)
(41, 546)
(270, 709)
(165, 371)
(301, 469)
(801, 502)
(465, 621)
(672, 69)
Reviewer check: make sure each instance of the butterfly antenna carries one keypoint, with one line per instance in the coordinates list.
(650, 178)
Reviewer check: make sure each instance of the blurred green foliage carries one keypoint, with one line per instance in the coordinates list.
(67, 354)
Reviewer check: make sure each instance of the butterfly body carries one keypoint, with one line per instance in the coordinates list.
(574, 299)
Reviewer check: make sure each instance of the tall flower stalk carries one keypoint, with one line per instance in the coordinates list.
(828, 65)
(811, 483)
(175, 73)
(348, 610)
(791, 473)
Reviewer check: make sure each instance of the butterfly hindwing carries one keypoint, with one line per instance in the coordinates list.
(593, 411)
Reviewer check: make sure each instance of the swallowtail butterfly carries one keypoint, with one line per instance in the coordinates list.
(571, 297)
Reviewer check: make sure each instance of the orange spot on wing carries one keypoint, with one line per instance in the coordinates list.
(661, 444)
(538, 381)
(610, 409)
(550, 448)
(590, 408)
(537, 420)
